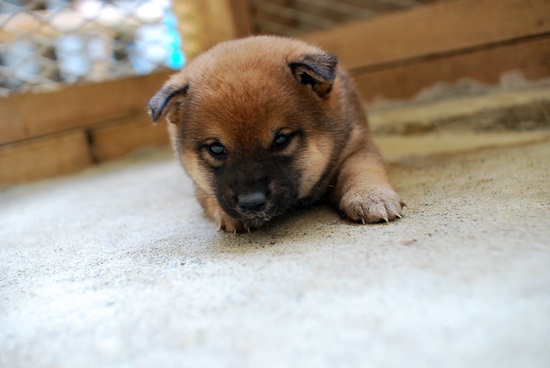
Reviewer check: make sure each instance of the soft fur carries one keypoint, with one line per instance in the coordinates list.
(265, 124)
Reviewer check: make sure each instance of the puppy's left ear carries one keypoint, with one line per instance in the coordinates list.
(317, 71)
(166, 101)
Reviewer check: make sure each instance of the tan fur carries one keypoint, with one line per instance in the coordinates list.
(195, 170)
(318, 154)
(242, 95)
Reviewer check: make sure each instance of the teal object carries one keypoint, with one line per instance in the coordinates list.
(176, 58)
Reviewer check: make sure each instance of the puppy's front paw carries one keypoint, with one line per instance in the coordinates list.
(231, 225)
(370, 205)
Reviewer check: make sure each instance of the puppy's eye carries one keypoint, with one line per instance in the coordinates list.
(217, 150)
(281, 141)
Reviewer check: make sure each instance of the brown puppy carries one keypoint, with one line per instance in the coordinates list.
(265, 124)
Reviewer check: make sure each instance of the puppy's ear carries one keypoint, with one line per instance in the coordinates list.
(166, 101)
(317, 71)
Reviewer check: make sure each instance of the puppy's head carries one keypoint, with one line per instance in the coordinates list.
(251, 121)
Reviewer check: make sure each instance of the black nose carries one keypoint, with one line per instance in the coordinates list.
(254, 201)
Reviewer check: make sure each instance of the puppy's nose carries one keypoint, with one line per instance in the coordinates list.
(252, 201)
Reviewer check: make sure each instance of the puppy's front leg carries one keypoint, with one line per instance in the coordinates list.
(363, 190)
(213, 210)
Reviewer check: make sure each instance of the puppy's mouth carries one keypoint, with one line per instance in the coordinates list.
(253, 217)
(254, 207)
(266, 213)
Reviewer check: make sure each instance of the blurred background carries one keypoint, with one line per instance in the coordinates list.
(45, 43)
(53, 42)
(75, 75)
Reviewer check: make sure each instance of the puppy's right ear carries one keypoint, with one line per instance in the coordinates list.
(165, 102)
(316, 70)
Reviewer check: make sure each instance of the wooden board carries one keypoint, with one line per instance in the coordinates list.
(126, 135)
(434, 30)
(43, 157)
(531, 58)
(32, 115)
(203, 23)
(393, 56)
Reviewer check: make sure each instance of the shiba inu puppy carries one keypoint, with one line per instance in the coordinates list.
(265, 124)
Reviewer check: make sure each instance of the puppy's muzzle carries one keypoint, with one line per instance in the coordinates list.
(254, 205)
(252, 202)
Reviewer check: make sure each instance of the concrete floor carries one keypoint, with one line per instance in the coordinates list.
(116, 267)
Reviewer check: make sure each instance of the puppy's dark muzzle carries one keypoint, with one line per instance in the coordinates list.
(252, 202)
(254, 206)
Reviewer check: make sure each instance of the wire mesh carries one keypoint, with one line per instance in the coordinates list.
(47, 43)
(292, 17)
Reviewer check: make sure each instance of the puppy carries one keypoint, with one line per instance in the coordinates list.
(265, 124)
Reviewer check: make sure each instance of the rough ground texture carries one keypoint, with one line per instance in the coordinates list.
(117, 267)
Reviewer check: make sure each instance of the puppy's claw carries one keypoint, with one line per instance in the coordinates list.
(372, 205)
(394, 213)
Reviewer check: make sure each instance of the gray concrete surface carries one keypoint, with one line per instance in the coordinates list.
(116, 267)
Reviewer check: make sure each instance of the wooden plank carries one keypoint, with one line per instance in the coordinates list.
(224, 20)
(204, 23)
(532, 58)
(241, 17)
(33, 115)
(436, 29)
(268, 22)
(43, 157)
(120, 138)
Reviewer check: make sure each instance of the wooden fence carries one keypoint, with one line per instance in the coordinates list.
(392, 56)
